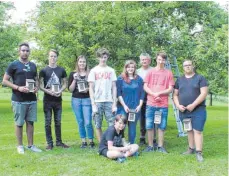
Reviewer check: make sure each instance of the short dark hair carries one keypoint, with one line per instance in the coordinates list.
(162, 54)
(120, 117)
(23, 44)
(55, 51)
(102, 51)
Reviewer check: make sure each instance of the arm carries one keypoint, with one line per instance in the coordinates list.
(6, 82)
(123, 104)
(92, 94)
(176, 101)
(120, 149)
(199, 99)
(41, 84)
(71, 83)
(114, 94)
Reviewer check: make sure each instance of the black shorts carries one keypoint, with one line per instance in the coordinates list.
(104, 152)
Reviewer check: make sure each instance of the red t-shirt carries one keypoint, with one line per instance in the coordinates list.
(158, 80)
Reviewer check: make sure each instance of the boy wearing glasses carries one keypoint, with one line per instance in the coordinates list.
(189, 96)
(24, 101)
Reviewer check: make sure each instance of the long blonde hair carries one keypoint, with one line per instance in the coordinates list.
(77, 65)
(125, 75)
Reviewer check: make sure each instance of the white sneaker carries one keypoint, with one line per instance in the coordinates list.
(20, 149)
(34, 149)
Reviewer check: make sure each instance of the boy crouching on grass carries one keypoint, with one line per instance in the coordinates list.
(113, 144)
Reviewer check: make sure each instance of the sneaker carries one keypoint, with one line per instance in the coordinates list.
(20, 149)
(142, 141)
(63, 145)
(49, 147)
(92, 145)
(83, 145)
(136, 154)
(33, 148)
(148, 149)
(189, 151)
(162, 150)
(121, 159)
(199, 157)
(155, 144)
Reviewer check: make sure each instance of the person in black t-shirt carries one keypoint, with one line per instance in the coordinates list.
(53, 81)
(113, 144)
(24, 101)
(81, 102)
(189, 96)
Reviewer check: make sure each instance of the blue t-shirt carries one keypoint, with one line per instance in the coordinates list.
(19, 72)
(131, 92)
(189, 90)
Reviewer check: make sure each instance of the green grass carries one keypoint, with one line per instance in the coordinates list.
(75, 161)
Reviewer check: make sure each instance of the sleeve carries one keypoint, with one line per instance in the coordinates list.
(10, 69)
(110, 134)
(177, 84)
(70, 79)
(91, 76)
(41, 73)
(171, 80)
(147, 78)
(142, 92)
(114, 78)
(203, 82)
(64, 75)
(119, 86)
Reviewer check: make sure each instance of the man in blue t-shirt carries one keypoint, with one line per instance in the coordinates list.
(53, 81)
(189, 96)
(23, 74)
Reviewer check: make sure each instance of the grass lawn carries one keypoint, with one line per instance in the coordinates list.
(75, 161)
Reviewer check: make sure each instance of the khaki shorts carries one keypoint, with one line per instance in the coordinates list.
(24, 112)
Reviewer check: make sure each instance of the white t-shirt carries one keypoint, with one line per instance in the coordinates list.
(102, 78)
(142, 72)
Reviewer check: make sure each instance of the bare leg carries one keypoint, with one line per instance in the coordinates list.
(133, 149)
(160, 137)
(99, 134)
(29, 131)
(198, 137)
(191, 139)
(19, 135)
(150, 137)
(114, 154)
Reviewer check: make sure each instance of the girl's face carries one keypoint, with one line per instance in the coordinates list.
(130, 69)
(82, 63)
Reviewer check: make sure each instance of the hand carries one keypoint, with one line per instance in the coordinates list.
(114, 108)
(94, 109)
(87, 89)
(190, 107)
(157, 99)
(155, 94)
(126, 109)
(181, 108)
(35, 89)
(75, 75)
(138, 108)
(23, 89)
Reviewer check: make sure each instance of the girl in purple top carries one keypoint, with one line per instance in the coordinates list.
(130, 95)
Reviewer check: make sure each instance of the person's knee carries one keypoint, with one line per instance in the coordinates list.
(30, 123)
(197, 132)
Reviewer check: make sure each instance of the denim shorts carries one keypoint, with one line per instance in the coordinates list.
(24, 111)
(104, 108)
(198, 118)
(150, 111)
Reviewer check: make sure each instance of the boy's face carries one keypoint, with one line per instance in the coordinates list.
(103, 59)
(52, 57)
(24, 52)
(120, 125)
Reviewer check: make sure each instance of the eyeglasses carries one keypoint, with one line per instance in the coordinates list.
(25, 51)
(187, 65)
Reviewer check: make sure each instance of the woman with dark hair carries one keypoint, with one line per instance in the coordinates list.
(113, 144)
(81, 103)
(130, 95)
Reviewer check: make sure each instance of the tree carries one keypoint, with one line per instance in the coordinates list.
(129, 28)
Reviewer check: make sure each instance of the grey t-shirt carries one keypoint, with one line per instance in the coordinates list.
(189, 90)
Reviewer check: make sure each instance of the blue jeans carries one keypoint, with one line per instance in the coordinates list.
(83, 112)
(131, 125)
(150, 111)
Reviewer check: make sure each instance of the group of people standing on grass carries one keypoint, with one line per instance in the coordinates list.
(137, 94)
